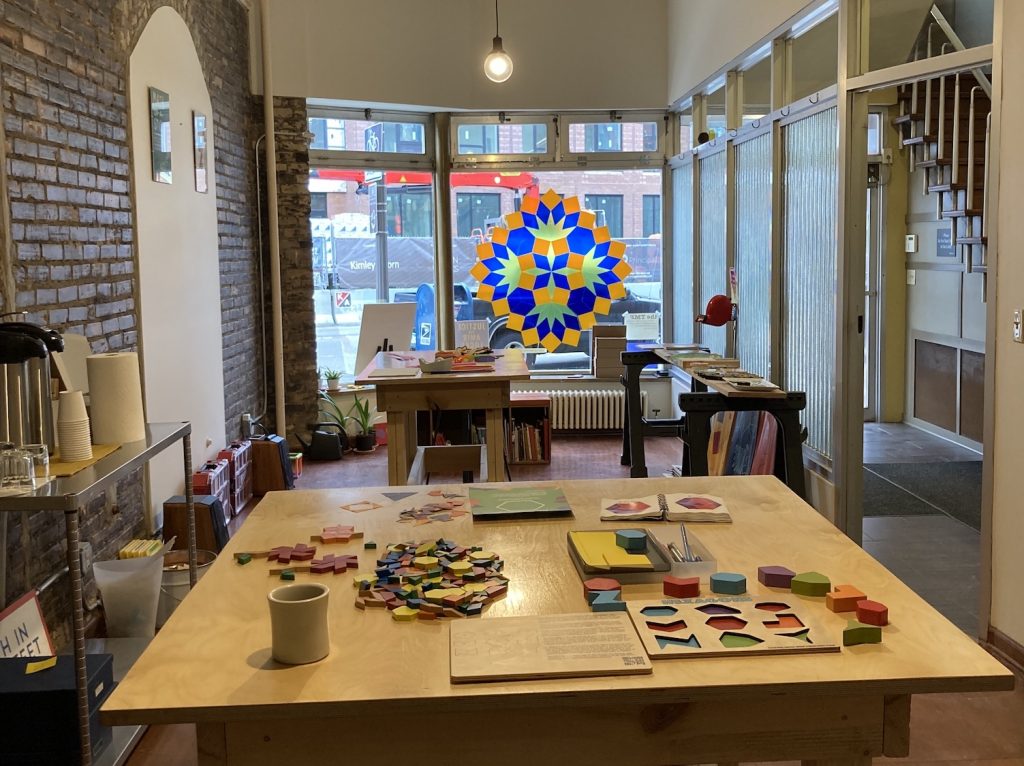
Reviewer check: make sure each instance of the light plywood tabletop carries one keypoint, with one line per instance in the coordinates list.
(511, 365)
(211, 661)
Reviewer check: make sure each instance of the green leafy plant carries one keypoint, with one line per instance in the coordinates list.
(363, 414)
(330, 412)
(332, 374)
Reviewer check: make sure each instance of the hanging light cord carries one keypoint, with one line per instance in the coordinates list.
(496, 32)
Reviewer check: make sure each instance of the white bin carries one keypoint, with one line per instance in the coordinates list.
(175, 580)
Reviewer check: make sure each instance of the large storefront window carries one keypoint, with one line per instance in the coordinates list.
(623, 200)
(373, 242)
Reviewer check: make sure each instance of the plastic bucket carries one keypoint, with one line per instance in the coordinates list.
(174, 586)
(130, 589)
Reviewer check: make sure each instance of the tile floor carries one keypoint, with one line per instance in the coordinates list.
(961, 729)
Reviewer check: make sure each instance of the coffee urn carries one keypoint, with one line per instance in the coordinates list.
(26, 413)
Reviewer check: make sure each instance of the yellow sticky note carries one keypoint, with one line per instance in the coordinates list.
(35, 667)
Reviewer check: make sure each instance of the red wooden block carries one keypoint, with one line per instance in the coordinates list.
(843, 598)
(600, 584)
(681, 587)
(872, 612)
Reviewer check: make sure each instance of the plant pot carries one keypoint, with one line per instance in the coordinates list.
(334, 385)
(366, 442)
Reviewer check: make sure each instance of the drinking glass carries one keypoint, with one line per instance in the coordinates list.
(40, 455)
(16, 470)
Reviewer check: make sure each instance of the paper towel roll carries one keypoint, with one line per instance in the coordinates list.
(115, 392)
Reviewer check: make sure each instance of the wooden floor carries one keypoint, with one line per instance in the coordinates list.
(984, 728)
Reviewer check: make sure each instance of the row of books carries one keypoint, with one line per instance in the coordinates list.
(525, 441)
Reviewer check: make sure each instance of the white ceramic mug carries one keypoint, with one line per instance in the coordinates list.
(298, 623)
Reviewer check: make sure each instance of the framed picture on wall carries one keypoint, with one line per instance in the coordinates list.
(160, 134)
(199, 150)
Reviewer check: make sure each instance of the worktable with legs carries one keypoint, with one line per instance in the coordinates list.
(384, 691)
(402, 397)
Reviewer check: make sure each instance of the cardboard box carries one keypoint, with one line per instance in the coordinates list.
(607, 342)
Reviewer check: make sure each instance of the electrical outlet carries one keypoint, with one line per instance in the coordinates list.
(1018, 330)
(910, 243)
(911, 276)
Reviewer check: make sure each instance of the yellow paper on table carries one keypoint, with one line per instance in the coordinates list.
(599, 551)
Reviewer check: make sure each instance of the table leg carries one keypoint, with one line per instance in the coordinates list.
(78, 623)
(495, 445)
(398, 460)
(411, 437)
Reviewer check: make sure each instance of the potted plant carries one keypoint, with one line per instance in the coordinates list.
(333, 378)
(363, 415)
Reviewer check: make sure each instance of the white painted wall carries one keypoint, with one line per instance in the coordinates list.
(569, 54)
(704, 35)
(1007, 454)
(178, 262)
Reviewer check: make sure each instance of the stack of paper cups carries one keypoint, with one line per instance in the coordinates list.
(115, 393)
(73, 427)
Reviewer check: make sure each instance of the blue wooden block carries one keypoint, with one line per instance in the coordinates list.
(729, 583)
(608, 606)
(633, 540)
(611, 595)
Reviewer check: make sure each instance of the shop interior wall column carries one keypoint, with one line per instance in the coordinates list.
(270, 148)
(444, 295)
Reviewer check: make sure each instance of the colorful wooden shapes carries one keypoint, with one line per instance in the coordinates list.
(728, 583)
(775, 576)
(440, 578)
(632, 540)
(286, 553)
(810, 584)
(843, 598)
(872, 612)
(339, 533)
(608, 601)
(859, 633)
(332, 563)
(681, 587)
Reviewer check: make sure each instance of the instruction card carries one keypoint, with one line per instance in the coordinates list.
(546, 646)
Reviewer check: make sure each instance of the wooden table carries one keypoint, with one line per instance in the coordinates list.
(403, 397)
(383, 692)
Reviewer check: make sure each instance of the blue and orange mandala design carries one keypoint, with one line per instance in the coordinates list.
(551, 270)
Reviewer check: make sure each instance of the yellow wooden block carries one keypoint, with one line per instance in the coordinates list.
(460, 568)
(600, 551)
(425, 562)
(404, 614)
(360, 579)
(481, 555)
(425, 549)
(436, 595)
(475, 587)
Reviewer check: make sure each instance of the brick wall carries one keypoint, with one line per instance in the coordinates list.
(63, 91)
(296, 263)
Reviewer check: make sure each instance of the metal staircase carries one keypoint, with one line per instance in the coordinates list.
(945, 124)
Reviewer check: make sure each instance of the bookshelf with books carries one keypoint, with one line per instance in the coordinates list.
(528, 429)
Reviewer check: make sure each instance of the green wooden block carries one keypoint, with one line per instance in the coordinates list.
(729, 583)
(369, 545)
(243, 558)
(810, 584)
(287, 574)
(859, 633)
(633, 540)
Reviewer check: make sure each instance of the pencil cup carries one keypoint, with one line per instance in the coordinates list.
(298, 623)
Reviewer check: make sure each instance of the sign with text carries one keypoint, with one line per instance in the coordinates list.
(23, 632)
(944, 243)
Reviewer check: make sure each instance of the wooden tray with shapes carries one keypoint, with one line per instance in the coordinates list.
(726, 626)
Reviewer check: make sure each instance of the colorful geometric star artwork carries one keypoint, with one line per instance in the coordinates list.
(551, 270)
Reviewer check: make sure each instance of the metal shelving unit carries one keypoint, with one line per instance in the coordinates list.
(71, 495)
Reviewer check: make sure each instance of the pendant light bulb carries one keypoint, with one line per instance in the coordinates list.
(498, 64)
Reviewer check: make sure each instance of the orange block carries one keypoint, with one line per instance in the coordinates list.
(843, 598)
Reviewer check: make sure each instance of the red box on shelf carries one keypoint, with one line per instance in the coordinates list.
(239, 457)
(214, 479)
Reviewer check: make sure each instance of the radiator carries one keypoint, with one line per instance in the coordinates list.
(600, 410)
